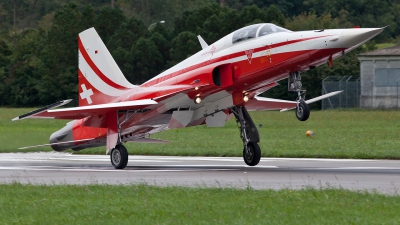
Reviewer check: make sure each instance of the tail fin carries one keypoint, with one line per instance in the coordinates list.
(100, 79)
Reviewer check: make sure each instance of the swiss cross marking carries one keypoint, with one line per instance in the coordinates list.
(86, 94)
(249, 54)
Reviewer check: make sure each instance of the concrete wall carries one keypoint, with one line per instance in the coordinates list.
(372, 96)
(380, 102)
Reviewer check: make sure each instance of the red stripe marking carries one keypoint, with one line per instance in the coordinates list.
(222, 58)
(96, 69)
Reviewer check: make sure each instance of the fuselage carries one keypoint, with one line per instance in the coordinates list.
(248, 61)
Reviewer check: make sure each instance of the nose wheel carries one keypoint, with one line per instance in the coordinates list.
(302, 111)
(294, 84)
(119, 157)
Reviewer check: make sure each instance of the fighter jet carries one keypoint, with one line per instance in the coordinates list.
(222, 80)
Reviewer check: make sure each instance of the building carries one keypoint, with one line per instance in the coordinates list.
(380, 78)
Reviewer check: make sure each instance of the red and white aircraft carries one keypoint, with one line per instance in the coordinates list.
(223, 79)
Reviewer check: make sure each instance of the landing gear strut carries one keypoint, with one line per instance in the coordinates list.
(249, 135)
(119, 154)
(294, 84)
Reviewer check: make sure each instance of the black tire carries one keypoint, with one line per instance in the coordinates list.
(253, 154)
(119, 157)
(302, 111)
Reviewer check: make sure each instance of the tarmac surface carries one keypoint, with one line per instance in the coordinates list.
(271, 173)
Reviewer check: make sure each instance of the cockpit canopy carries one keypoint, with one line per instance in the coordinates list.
(256, 30)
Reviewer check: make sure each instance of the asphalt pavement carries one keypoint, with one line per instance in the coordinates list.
(271, 173)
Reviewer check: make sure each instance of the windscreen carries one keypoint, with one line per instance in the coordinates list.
(270, 29)
(245, 33)
(250, 32)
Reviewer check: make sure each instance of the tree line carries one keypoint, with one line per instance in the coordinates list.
(38, 65)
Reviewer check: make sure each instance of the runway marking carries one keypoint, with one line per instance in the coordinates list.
(45, 156)
(186, 166)
(319, 159)
(149, 158)
(203, 159)
(359, 168)
(107, 160)
(141, 171)
(77, 169)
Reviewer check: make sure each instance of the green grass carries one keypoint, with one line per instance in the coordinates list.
(143, 204)
(384, 45)
(339, 134)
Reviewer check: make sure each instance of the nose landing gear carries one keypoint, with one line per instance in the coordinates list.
(249, 135)
(294, 84)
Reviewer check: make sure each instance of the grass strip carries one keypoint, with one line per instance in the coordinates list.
(339, 134)
(144, 204)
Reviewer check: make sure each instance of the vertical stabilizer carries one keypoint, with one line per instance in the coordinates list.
(100, 79)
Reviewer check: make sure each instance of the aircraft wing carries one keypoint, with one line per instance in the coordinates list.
(261, 103)
(84, 111)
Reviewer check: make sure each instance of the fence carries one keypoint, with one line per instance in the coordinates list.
(349, 98)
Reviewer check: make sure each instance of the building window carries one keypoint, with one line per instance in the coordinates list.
(387, 77)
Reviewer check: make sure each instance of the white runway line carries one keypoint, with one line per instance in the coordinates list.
(41, 156)
(358, 168)
(319, 159)
(108, 159)
(236, 166)
(78, 169)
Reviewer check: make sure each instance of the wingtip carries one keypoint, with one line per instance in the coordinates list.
(48, 107)
(67, 101)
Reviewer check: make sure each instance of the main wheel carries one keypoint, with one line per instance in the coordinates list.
(302, 111)
(119, 157)
(252, 154)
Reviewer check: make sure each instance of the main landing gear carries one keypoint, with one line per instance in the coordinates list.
(294, 84)
(119, 154)
(249, 135)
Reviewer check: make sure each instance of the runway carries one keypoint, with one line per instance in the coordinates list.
(276, 173)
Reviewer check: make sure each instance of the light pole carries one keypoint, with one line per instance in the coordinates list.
(153, 24)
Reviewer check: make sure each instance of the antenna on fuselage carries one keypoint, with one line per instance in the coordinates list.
(202, 42)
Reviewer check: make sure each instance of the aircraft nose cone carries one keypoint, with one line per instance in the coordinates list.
(357, 36)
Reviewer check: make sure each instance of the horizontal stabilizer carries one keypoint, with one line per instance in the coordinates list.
(149, 140)
(59, 143)
(37, 111)
(316, 99)
(92, 110)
